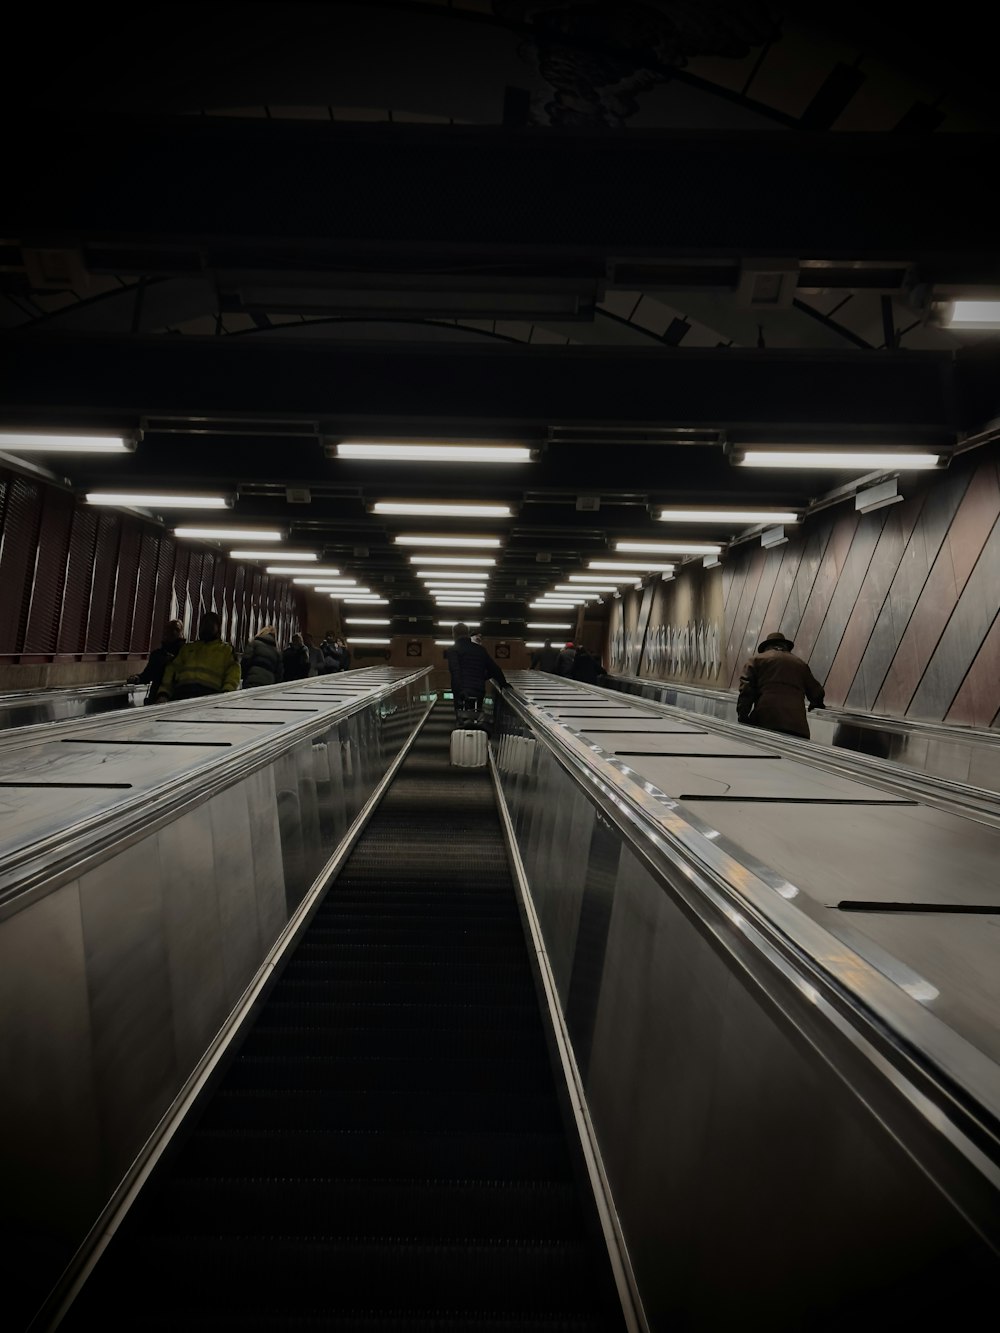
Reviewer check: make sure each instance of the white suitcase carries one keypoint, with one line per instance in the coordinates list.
(468, 749)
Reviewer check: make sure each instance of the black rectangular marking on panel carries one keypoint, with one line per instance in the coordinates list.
(87, 740)
(208, 721)
(796, 800)
(961, 909)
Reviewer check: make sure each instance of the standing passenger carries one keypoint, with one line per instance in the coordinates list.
(295, 659)
(343, 654)
(331, 657)
(774, 687)
(587, 667)
(471, 667)
(209, 666)
(545, 658)
(565, 660)
(262, 661)
(160, 658)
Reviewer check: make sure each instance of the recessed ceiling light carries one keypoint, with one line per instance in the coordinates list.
(398, 451)
(416, 539)
(149, 499)
(442, 509)
(847, 460)
(269, 555)
(37, 442)
(720, 515)
(478, 560)
(233, 534)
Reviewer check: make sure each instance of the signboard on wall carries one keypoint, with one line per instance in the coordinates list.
(414, 648)
(502, 650)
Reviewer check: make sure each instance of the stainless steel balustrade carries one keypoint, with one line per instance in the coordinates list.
(25, 708)
(136, 920)
(798, 1131)
(970, 755)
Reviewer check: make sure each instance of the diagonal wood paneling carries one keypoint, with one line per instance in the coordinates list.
(810, 562)
(790, 561)
(870, 600)
(978, 700)
(834, 558)
(942, 501)
(738, 624)
(963, 636)
(955, 561)
(765, 589)
(845, 595)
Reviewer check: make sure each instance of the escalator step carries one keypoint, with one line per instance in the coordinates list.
(316, 1073)
(477, 950)
(440, 1042)
(196, 1320)
(234, 1108)
(428, 1209)
(516, 1016)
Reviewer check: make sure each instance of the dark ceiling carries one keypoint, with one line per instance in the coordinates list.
(253, 230)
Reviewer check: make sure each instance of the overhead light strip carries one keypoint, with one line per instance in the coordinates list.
(392, 451)
(269, 555)
(836, 460)
(149, 499)
(443, 509)
(668, 548)
(632, 567)
(714, 516)
(418, 539)
(37, 442)
(478, 560)
(232, 534)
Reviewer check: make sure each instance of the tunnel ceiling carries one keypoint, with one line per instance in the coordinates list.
(634, 236)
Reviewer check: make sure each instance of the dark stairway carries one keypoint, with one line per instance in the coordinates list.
(386, 1151)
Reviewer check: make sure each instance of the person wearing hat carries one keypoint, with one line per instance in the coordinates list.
(774, 687)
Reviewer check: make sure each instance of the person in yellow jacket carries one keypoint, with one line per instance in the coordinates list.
(208, 666)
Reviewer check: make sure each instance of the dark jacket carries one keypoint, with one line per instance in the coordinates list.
(343, 656)
(261, 662)
(545, 659)
(295, 662)
(331, 657)
(773, 690)
(586, 667)
(159, 659)
(471, 667)
(564, 662)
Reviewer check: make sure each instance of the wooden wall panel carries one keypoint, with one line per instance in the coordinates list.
(825, 584)
(845, 594)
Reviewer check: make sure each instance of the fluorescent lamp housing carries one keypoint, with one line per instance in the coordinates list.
(847, 460)
(50, 442)
(668, 548)
(972, 314)
(165, 500)
(365, 620)
(544, 624)
(233, 534)
(380, 643)
(718, 515)
(359, 601)
(401, 451)
(442, 510)
(480, 575)
(478, 560)
(313, 574)
(631, 567)
(269, 555)
(418, 539)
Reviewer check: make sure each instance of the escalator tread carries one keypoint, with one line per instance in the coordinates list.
(385, 1151)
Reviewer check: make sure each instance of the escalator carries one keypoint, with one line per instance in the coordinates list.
(386, 1149)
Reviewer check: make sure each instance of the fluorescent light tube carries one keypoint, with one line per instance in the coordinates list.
(313, 574)
(669, 548)
(269, 555)
(234, 534)
(365, 620)
(639, 566)
(447, 624)
(381, 643)
(359, 601)
(149, 499)
(416, 539)
(720, 516)
(443, 510)
(31, 442)
(544, 624)
(481, 574)
(399, 452)
(836, 459)
(478, 560)
(973, 315)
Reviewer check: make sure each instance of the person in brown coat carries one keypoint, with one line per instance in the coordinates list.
(774, 687)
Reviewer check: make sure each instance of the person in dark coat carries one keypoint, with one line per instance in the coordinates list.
(331, 657)
(586, 667)
(262, 661)
(565, 660)
(774, 687)
(295, 659)
(317, 662)
(343, 654)
(545, 658)
(160, 658)
(471, 667)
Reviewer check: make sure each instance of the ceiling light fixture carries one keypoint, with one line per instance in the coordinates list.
(452, 560)
(669, 548)
(479, 575)
(720, 516)
(232, 534)
(416, 539)
(447, 624)
(303, 569)
(269, 555)
(32, 442)
(380, 643)
(149, 499)
(442, 509)
(359, 601)
(628, 567)
(399, 451)
(973, 315)
(365, 620)
(545, 624)
(853, 460)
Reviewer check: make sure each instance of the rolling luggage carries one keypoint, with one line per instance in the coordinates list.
(468, 748)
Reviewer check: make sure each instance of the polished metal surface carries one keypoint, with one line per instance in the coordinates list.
(26, 708)
(790, 1108)
(136, 917)
(955, 754)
